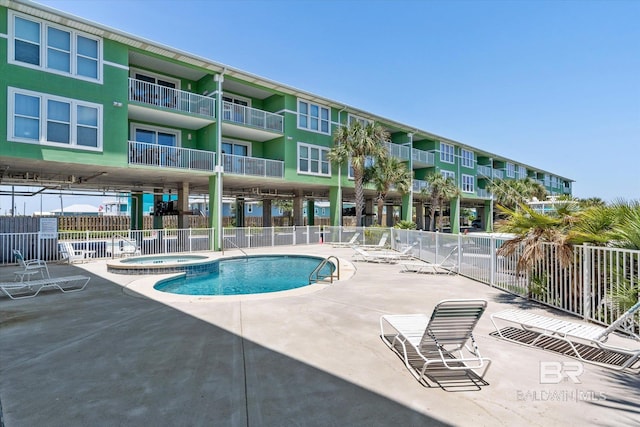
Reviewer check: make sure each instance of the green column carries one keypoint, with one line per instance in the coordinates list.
(215, 211)
(137, 211)
(487, 217)
(407, 208)
(335, 206)
(454, 215)
(311, 214)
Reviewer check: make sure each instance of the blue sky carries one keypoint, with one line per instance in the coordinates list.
(553, 84)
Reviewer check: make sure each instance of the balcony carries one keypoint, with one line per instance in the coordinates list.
(170, 106)
(484, 194)
(422, 159)
(485, 171)
(498, 174)
(250, 123)
(141, 153)
(398, 151)
(419, 185)
(252, 166)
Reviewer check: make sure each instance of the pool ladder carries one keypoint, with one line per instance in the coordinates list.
(315, 275)
(226, 239)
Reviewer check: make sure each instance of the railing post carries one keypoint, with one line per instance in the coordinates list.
(273, 236)
(586, 281)
(492, 261)
(459, 252)
(308, 234)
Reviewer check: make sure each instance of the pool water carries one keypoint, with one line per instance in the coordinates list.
(248, 275)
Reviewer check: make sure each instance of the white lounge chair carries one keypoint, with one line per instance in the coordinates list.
(30, 267)
(447, 265)
(122, 247)
(437, 339)
(381, 244)
(363, 255)
(347, 244)
(19, 290)
(580, 337)
(70, 254)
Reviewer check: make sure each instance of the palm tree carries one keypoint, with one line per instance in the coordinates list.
(386, 173)
(439, 190)
(511, 193)
(358, 142)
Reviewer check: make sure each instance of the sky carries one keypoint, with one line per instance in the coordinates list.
(551, 84)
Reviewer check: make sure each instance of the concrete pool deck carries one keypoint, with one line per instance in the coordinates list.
(111, 355)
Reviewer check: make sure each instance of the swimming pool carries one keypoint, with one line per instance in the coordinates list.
(161, 264)
(248, 275)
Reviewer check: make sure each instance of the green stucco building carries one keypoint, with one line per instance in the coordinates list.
(91, 107)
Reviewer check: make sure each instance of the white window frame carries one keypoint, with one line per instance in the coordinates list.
(511, 170)
(152, 128)
(43, 47)
(308, 116)
(156, 76)
(233, 98)
(237, 142)
(447, 152)
(468, 158)
(522, 172)
(43, 118)
(468, 184)
(320, 149)
(352, 117)
(368, 162)
(448, 174)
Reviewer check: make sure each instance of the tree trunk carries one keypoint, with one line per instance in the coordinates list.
(358, 177)
(380, 208)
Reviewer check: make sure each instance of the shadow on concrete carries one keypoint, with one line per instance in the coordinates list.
(104, 357)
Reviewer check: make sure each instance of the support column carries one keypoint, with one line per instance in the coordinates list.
(183, 206)
(368, 212)
(335, 206)
(157, 219)
(240, 212)
(420, 215)
(215, 212)
(487, 215)
(266, 213)
(454, 215)
(137, 210)
(297, 209)
(311, 212)
(407, 208)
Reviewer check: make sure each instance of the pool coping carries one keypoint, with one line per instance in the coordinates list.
(145, 286)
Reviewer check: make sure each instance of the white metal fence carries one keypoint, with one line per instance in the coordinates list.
(597, 285)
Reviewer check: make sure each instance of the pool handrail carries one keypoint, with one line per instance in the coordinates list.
(226, 239)
(324, 262)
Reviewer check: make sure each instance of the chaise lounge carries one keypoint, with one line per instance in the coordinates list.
(583, 341)
(437, 339)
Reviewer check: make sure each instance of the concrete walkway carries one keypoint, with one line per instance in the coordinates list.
(120, 354)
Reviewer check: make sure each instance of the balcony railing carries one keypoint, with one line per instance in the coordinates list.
(418, 185)
(485, 171)
(253, 166)
(498, 174)
(485, 194)
(422, 157)
(248, 116)
(398, 151)
(170, 98)
(141, 153)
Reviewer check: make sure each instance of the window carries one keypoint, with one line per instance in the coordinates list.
(313, 117)
(156, 135)
(42, 118)
(468, 159)
(233, 157)
(522, 172)
(446, 153)
(38, 44)
(511, 170)
(448, 174)
(313, 160)
(368, 162)
(361, 120)
(468, 183)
